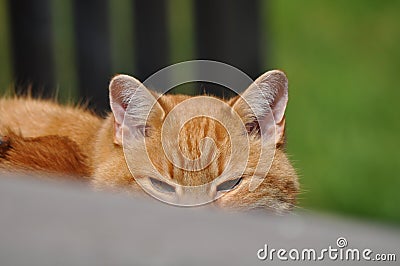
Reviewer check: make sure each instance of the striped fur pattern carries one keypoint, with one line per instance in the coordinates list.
(43, 136)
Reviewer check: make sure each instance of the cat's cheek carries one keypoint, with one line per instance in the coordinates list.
(228, 200)
(114, 175)
(219, 203)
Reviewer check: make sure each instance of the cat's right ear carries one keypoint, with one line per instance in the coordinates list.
(263, 104)
(127, 91)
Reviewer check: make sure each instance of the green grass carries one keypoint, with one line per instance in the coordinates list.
(342, 59)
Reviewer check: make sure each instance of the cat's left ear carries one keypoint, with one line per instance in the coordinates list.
(126, 90)
(264, 103)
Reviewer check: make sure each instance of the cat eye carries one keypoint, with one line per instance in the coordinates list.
(229, 185)
(144, 130)
(162, 186)
(252, 127)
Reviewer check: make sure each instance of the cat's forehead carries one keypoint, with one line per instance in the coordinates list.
(169, 102)
(203, 143)
(192, 119)
(191, 150)
(180, 109)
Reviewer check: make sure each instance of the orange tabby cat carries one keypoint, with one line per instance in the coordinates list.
(44, 136)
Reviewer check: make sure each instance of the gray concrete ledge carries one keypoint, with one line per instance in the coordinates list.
(62, 224)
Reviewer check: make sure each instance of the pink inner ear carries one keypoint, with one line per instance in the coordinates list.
(118, 110)
(252, 127)
(268, 97)
(279, 105)
(117, 134)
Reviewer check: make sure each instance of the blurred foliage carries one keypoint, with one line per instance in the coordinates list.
(342, 59)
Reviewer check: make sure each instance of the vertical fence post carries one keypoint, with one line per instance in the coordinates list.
(5, 48)
(151, 41)
(229, 31)
(93, 51)
(32, 46)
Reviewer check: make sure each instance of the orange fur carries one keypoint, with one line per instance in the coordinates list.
(49, 154)
(71, 141)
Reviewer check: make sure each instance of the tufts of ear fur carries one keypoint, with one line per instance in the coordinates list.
(264, 103)
(130, 96)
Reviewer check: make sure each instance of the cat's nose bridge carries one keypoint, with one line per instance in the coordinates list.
(199, 155)
(194, 195)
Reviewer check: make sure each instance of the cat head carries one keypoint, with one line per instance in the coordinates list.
(192, 150)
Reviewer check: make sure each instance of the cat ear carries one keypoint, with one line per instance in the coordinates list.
(268, 93)
(126, 90)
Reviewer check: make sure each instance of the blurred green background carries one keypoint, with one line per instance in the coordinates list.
(342, 59)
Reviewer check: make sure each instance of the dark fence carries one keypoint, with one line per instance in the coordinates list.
(72, 48)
